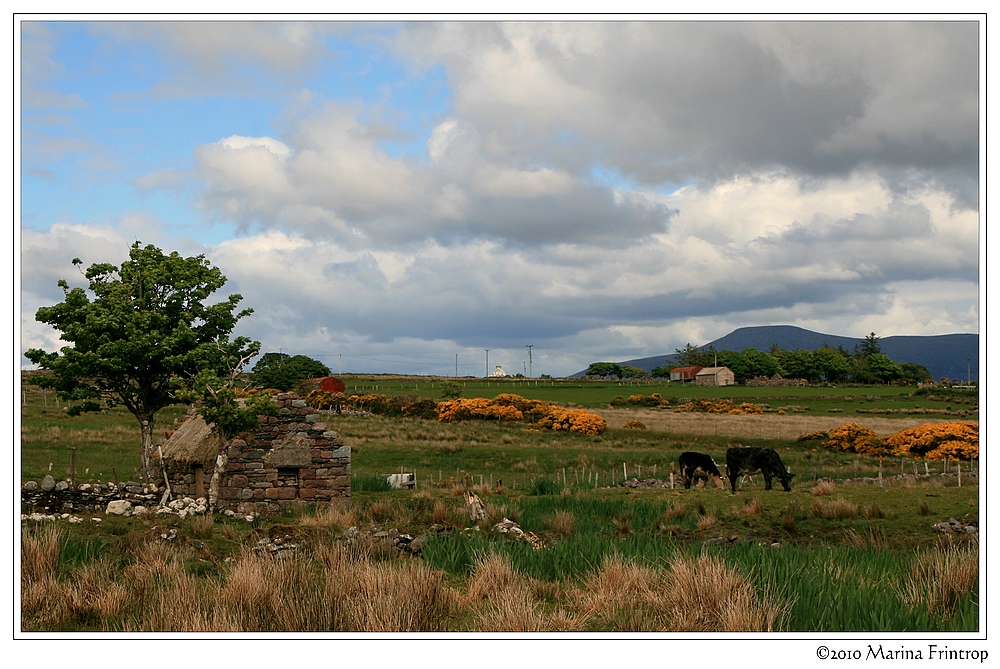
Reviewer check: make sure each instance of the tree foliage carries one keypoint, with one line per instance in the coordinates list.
(284, 372)
(605, 370)
(139, 332)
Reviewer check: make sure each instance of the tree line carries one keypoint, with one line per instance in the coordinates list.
(865, 364)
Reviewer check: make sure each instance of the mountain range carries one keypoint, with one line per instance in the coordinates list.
(953, 356)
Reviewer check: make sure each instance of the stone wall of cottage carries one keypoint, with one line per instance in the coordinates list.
(292, 458)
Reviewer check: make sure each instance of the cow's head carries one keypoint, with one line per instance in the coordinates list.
(786, 482)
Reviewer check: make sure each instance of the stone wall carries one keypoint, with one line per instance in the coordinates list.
(292, 458)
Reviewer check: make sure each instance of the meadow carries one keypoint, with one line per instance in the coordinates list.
(851, 548)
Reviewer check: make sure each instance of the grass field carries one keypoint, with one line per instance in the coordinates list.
(611, 557)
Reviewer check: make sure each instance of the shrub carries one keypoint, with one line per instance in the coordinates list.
(634, 425)
(856, 439)
(937, 441)
(653, 400)
(573, 420)
(722, 406)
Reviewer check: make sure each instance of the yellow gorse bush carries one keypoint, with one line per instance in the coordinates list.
(937, 441)
(854, 438)
(722, 406)
(508, 406)
(573, 420)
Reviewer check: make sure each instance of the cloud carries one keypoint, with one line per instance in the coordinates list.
(599, 190)
(329, 176)
(671, 101)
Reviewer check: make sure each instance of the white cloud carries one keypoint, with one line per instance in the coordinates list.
(805, 173)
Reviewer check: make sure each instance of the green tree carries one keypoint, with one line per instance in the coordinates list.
(832, 363)
(284, 372)
(630, 372)
(661, 372)
(883, 368)
(143, 330)
(915, 373)
(605, 370)
(692, 356)
(798, 364)
(451, 390)
(870, 345)
(759, 363)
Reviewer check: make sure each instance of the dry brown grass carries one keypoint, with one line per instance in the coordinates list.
(40, 553)
(824, 488)
(711, 596)
(837, 508)
(331, 517)
(561, 523)
(202, 526)
(941, 575)
(752, 508)
(691, 594)
(708, 520)
(767, 426)
(339, 587)
(503, 600)
(874, 537)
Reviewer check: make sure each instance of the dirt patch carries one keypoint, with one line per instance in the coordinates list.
(767, 426)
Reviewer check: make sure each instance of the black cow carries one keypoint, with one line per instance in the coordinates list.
(746, 460)
(699, 466)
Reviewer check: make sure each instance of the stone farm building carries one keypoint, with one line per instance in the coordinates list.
(715, 376)
(292, 458)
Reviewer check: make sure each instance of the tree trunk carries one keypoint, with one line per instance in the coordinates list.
(146, 456)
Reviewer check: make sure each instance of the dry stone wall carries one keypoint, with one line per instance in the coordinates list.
(292, 458)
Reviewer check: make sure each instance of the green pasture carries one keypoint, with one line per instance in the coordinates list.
(585, 393)
(840, 554)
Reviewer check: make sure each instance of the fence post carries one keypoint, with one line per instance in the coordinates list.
(72, 466)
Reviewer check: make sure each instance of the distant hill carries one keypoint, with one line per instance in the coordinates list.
(949, 356)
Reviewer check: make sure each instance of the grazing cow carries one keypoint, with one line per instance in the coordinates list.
(745, 460)
(699, 466)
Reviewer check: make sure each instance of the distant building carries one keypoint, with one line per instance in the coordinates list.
(330, 384)
(715, 376)
(684, 373)
(498, 372)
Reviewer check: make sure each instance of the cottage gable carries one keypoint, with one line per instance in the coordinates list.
(292, 458)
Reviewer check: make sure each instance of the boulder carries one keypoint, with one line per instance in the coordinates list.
(119, 507)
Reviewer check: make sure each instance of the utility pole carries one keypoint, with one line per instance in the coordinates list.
(529, 359)
(456, 365)
(487, 362)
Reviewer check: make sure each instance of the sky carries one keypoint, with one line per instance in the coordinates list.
(445, 196)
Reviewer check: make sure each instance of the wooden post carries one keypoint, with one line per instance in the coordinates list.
(624, 472)
(959, 469)
(72, 465)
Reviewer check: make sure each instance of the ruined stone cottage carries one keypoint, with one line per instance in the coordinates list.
(292, 458)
